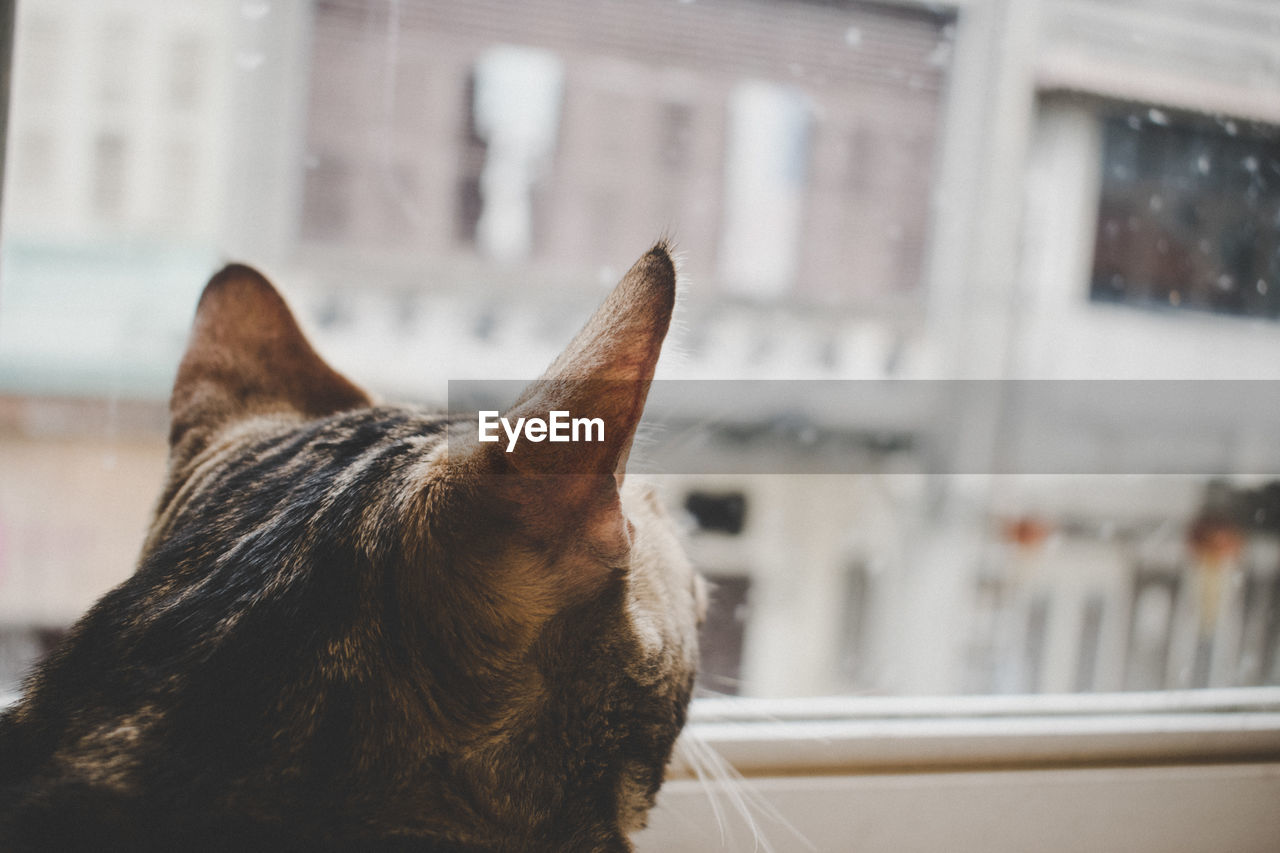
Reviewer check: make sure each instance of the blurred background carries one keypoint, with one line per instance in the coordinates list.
(1032, 190)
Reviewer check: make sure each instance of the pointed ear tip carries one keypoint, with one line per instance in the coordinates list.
(237, 277)
(659, 267)
(242, 273)
(662, 253)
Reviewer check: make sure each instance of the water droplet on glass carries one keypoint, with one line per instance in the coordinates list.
(1156, 203)
(853, 36)
(1226, 282)
(1251, 164)
(1202, 164)
(249, 60)
(1175, 298)
(1230, 127)
(1262, 287)
(254, 9)
(1135, 122)
(1158, 117)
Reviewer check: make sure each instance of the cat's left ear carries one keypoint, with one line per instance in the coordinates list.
(246, 356)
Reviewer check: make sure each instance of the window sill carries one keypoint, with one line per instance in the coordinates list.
(1138, 773)
(937, 734)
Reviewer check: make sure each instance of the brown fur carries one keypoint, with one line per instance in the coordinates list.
(356, 627)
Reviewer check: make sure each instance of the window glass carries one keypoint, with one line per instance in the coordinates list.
(866, 197)
(1189, 215)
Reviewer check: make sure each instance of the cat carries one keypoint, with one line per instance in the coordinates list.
(354, 626)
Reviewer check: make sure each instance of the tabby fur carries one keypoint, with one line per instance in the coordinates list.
(354, 627)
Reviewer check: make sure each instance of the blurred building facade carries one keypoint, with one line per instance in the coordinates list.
(994, 189)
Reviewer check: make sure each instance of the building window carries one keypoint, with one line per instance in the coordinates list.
(182, 168)
(109, 178)
(40, 47)
(471, 156)
(856, 660)
(720, 512)
(327, 205)
(513, 119)
(766, 172)
(860, 161)
(1155, 593)
(36, 160)
(118, 49)
(1189, 215)
(186, 71)
(676, 139)
(723, 635)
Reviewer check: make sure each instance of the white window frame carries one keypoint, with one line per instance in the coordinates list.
(1170, 771)
(1174, 770)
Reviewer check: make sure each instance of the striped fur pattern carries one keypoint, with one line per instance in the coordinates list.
(352, 627)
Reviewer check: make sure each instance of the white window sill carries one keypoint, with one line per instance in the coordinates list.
(839, 735)
(1173, 771)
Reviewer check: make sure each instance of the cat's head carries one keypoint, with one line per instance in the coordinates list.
(493, 646)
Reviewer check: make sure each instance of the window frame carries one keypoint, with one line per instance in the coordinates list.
(763, 737)
(1146, 772)
(842, 748)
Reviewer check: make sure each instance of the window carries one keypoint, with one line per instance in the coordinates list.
(110, 164)
(766, 177)
(516, 112)
(186, 77)
(903, 192)
(42, 44)
(36, 156)
(1189, 214)
(328, 202)
(117, 49)
(676, 137)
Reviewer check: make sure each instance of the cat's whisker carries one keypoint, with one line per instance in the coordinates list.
(718, 781)
(747, 801)
(686, 751)
(728, 781)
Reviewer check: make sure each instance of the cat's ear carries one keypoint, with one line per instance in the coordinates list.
(246, 356)
(566, 494)
(603, 374)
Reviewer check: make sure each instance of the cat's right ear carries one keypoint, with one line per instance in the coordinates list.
(566, 493)
(246, 356)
